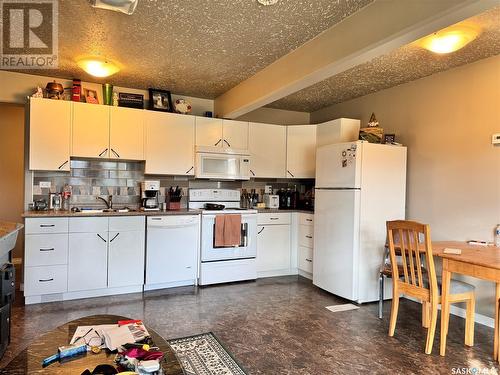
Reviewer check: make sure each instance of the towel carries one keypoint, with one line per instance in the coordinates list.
(227, 230)
(232, 230)
(220, 221)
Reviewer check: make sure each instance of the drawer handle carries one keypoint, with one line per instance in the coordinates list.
(47, 225)
(262, 230)
(98, 235)
(309, 219)
(45, 280)
(309, 260)
(51, 249)
(114, 237)
(156, 218)
(274, 218)
(310, 237)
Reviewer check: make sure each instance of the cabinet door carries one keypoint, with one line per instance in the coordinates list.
(235, 134)
(169, 144)
(273, 248)
(208, 131)
(301, 151)
(126, 138)
(87, 261)
(267, 146)
(50, 129)
(126, 258)
(90, 135)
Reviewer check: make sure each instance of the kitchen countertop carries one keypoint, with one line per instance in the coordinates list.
(6, 228)
(184, 211)
(50, 213)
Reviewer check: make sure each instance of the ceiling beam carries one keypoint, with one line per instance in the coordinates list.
(377, 29)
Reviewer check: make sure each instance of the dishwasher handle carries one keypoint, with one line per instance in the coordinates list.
(169, 226)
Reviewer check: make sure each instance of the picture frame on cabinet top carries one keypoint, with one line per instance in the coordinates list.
(160, 100)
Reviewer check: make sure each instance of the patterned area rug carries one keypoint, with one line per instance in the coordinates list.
(205, 355)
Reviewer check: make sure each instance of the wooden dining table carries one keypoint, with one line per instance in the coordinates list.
(478, 261)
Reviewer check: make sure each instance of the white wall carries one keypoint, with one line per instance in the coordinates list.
(447, 121)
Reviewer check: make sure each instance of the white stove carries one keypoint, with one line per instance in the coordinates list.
(232, 263)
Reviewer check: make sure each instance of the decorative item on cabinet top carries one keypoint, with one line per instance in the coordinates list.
(183, 106)
(160, 100)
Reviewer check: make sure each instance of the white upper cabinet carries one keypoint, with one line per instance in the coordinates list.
(215, 132)
(90, 130)
(126, 133)
(50, 132)
(208, 131)
(301, 151)
(235, 134)
(267, 146)
(169, 143)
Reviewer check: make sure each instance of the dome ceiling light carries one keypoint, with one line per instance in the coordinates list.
(124, 6)
(450, 39)
(98, 66)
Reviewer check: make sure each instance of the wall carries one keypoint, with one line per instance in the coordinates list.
(276, 116)
(446, 120)
(90, 178)
(12, 166)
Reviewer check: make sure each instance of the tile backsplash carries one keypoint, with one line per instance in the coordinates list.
(121, 179)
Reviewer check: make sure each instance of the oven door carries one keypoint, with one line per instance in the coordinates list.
(247, 249)
(222, 166)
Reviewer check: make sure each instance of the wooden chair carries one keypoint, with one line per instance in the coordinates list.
(413, 241)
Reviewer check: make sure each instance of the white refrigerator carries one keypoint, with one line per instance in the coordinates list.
(359, 186)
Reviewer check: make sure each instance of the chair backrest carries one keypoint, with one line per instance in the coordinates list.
(412, 241)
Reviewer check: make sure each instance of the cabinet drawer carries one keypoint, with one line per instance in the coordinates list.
(306, 219)
(45, 280)
(281, 218)
(306, 236)
(306, 259)
(127, 223)
(88, 224)
(46, 249)
(46, 225)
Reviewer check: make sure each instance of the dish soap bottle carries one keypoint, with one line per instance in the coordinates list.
(497, 236)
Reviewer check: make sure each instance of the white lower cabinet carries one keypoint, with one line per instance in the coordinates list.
(126, 258)
(273, 245)
(83, 257)
(88, 261)
(305, 244)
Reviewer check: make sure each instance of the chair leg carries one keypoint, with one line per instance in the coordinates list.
(425, 314)
(381, 296)
(432, 328)
(469, 322)
(394, 310)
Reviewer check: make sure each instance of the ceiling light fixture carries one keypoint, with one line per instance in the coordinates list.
(98, 66)
(267, 2)
(450, 39)
(124, 6)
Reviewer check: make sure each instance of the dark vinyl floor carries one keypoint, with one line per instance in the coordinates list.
(277, 326)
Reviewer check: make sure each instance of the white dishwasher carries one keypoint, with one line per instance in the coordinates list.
(172, 251)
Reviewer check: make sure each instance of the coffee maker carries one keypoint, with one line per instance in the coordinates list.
(150, 191)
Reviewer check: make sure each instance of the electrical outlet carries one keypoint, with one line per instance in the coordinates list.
(45, 184)
(495, 139)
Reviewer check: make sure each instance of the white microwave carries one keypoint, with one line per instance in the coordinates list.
(222, 164)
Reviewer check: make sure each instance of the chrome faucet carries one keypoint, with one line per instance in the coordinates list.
(109, 202)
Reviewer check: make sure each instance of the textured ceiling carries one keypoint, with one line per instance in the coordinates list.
(403, 65)
(191, 47)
